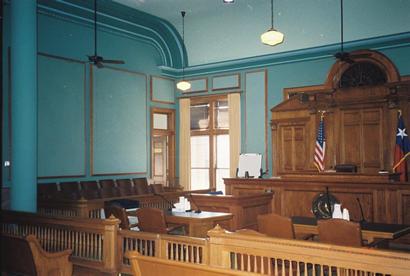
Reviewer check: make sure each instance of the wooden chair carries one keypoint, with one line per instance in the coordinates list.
(125, 187)
(120, 213)
(70, 190)
(278, 226)
(108, 188)
(47, 191)
(157, 188)
(153, 220)
(340, 232)
(140, 186)
(90, 189)
(56, 263)
(25, 256)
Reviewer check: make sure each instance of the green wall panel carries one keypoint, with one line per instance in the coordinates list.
(226, 82)
(162, 90)
(119, 136)
(198, 85)
(61, 118)
(255, 121)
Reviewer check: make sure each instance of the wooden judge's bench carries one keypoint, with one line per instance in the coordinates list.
(382, 199)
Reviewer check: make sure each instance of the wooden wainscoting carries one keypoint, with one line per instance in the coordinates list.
(292, 195)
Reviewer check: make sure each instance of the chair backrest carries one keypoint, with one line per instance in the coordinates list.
(90, 189)
(50, 263)
(125, 187)
(70, 190)
(47, 191)
(157, 188)
(151, 220)
(141, 186)
(276, 226)
(16, 256)
(340, 232)
(118, 212)
(108, 188)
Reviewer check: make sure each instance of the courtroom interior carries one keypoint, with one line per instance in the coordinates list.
(217, 137)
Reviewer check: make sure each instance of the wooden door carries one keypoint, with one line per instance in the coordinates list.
(362, 138)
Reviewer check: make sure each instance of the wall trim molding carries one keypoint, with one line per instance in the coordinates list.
(315, 53)
(170, 51)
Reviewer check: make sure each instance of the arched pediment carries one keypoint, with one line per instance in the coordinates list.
(373, 67)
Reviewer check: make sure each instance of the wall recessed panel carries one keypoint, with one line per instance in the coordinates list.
(198, 85)
(119, 130)
(162, 90)
(256, 114)
(61, 117)
(226, 82)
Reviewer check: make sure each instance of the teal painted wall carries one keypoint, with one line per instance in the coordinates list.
(307, 70)
(61, 117)
(121, 140)
(72, 40)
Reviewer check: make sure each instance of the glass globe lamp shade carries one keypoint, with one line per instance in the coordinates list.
(272, 37)
(183, 85)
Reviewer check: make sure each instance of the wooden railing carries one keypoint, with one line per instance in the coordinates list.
(100, 245)
(92, 208)
(270, 256)
(92, 240)
(177, 248)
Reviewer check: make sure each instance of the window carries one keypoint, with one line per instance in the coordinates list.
(163, 146)
(209, 143)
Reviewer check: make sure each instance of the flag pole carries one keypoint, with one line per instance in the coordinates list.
(407, 154)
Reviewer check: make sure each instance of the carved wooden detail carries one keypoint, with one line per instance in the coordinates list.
(360, 118)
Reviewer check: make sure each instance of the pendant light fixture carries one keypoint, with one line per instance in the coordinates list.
(272, 37)
(183, 85)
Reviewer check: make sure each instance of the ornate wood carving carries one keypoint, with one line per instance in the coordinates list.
(361, 100)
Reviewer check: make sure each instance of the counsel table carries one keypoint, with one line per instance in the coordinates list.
(370, 230)
(198, 223)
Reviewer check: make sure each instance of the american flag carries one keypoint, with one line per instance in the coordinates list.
(320, 147)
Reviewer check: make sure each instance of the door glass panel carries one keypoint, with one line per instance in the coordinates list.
(160, 121)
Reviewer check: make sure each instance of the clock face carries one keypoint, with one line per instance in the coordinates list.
(322, 205)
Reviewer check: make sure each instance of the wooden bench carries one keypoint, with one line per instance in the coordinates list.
(26, 256)
(151, 266)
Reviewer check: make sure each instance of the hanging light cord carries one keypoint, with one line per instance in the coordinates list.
(183, 40)
(95, 27)
(271, 11)
(341, 25)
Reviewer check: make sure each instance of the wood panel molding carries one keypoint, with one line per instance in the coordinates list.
(382, 200)
(359, 120)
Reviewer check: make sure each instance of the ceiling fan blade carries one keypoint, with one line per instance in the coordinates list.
(112, 61)
(99, 64)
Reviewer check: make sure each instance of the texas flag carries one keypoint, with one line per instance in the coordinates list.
(401, 150)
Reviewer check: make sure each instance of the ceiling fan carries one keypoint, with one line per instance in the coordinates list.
(342, 55)
(95, 59)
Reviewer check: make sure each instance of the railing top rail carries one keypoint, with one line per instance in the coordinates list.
(34, 218)
(220, 236)
(152, 236)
